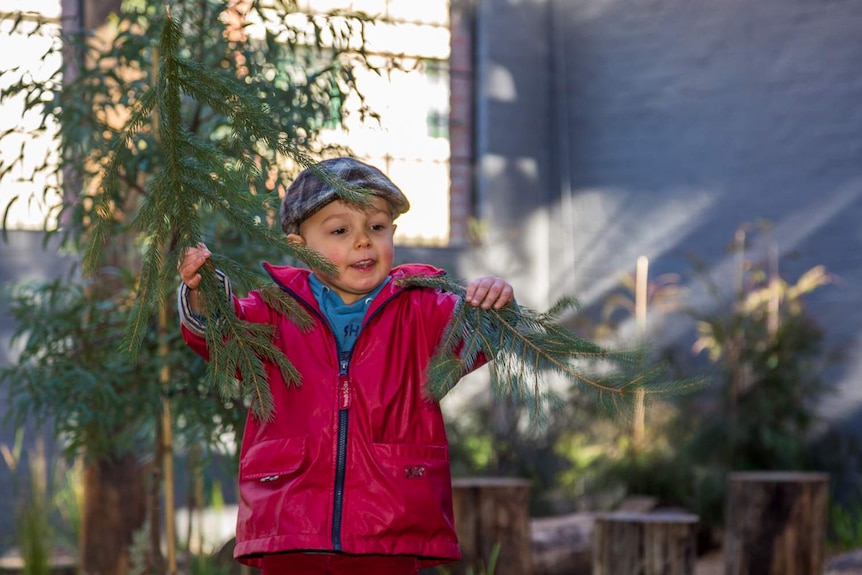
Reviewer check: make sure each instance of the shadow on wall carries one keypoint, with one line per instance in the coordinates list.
(607, 131)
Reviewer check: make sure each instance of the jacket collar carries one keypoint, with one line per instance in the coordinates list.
(295, 280)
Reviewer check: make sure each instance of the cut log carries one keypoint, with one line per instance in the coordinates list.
(645, 544)
(489, 512)
(637, 504)
(776, 523)
(562, 544)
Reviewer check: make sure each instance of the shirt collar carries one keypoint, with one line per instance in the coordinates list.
(329, 299)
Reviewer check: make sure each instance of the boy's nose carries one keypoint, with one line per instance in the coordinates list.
(362, 239)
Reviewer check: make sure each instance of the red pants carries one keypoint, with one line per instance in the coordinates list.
(336, 564)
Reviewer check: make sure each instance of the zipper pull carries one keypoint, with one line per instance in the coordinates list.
(343, 392)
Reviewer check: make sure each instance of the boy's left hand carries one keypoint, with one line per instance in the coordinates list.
(489, 292)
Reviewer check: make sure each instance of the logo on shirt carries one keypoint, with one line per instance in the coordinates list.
(351, 330)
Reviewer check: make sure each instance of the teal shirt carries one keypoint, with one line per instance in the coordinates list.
(344, 319)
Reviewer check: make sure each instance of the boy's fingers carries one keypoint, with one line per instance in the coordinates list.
(489, 292)
(194, 282)
(476, 293)
(199, 248)
(482, 291)
(193, 259)
(504, 297)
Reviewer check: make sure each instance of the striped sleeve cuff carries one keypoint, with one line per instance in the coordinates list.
(195, 322)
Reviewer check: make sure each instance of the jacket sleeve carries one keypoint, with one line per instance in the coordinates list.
(251, 308)
(452, 301)
(481, 358)
(193, 325)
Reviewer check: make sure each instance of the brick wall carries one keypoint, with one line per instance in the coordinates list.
(461, 79)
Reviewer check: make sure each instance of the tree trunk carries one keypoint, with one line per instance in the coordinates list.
(114, 508)
(645, 544)
(114, 491)
(493, 512)
(776, 523)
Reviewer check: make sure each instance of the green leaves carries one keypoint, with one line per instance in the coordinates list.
(68, 373)
(769, 353)
(198, 178)
(217, 115)
(199, 140)
(524, 346)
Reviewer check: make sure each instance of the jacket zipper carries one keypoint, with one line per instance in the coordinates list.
(341, 451)
(344, 398)
(343, 420)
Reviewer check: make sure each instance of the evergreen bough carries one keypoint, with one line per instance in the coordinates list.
(197, 174)
(521, 344)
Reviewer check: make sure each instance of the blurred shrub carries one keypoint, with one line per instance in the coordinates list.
(765, 359)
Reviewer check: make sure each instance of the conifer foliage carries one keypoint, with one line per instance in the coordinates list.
(109, 185)
(522, 344)
(197, 174)
(525, 345)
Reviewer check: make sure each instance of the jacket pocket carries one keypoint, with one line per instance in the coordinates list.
(269, 473)
(273, 459)
(412, 498)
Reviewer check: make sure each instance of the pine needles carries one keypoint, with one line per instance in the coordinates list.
(195, 175)
(522, 346)
(198, 178)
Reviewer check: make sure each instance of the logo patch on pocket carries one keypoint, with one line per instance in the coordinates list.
(414, 471)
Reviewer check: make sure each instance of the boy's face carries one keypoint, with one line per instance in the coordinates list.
(358, 241)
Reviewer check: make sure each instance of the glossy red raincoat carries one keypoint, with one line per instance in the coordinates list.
(356, 459)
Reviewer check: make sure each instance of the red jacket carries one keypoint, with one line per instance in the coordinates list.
(356, 459)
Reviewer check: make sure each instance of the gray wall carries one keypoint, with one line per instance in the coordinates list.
(657, 128)
(514, 135)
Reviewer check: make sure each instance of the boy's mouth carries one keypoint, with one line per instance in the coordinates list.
(363, 265)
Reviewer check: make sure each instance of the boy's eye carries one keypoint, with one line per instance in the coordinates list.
(339, 231)
(378, 227)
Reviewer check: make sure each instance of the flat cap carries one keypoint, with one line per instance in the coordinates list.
(309, 193)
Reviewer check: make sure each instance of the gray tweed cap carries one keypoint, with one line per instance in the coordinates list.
(309, 193)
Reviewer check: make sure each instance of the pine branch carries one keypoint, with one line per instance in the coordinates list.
(288, 307)
(196, 174)
(522, 346)
(103, 212)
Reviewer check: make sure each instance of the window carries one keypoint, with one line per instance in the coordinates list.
(437, 80)
(409, 140)
(25, 193)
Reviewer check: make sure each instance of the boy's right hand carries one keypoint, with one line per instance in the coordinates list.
(193, 259)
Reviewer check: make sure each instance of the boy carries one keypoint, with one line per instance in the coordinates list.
(352, 474)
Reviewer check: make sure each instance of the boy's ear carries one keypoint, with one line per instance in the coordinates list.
(296, 239)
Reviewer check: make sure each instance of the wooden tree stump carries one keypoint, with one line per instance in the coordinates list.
(776, 523)
(492, 511)
(645, 544)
